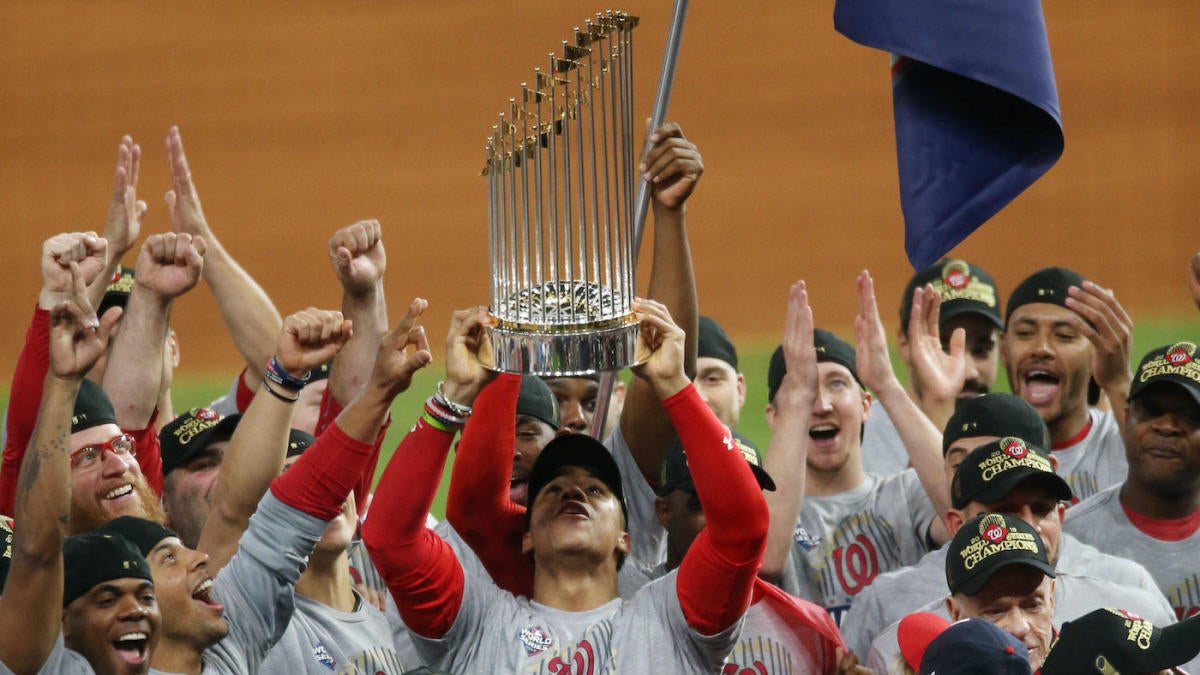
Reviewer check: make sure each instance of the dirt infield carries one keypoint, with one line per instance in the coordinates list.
(299, 120)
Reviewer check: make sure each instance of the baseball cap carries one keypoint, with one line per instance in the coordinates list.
(536, 400)
(1116, 641)
(116, 294)
(185, 436)
(995, 414)
(321, 372)
(1048, 285)
(1174, 364)
(963, 287)
(90, 559)
(975, 647)
(987, 543)
(298, 442)
(676, 476)
(714, 343)
(6, 534)
(92, 407)
(830, 349)
(575, 450)
(992, 470)
(143, 534)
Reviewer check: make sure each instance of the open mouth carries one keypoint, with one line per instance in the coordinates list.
(823, 432)
(1041, 386)
(203, 595)
(133, 647)
(573, 508)
(518, 490)
(118, 492)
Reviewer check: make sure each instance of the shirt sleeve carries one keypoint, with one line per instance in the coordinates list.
(149, 452)
(23, 400)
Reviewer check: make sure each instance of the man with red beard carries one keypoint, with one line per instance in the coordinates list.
(1062, 331)
(126, 477)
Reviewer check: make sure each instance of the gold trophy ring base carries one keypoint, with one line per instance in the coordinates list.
(561, 352)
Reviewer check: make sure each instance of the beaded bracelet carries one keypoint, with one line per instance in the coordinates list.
(457, 409)
(278, 395)
(275, 373)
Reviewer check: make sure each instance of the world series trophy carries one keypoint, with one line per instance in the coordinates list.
(561, 174)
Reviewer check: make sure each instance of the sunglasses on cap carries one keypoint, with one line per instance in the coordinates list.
(90, 456)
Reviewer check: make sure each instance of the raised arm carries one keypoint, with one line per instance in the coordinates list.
(31, 606)
(359, 261)
(249, 314)
(938, 375)
(786, 454)
(673, 166)
(422, 572)
(259, 444)
(168, 266)
(1107, 325)
(717, 573)
(88, 251)
(125, 213)
(921, 439)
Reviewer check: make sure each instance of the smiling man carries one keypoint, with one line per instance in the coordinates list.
(1154, 516)
(1061, 332)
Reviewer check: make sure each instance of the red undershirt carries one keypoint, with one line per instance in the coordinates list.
(1070, 442)
(1164, 529)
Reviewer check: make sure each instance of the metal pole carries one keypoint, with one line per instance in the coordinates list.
(666, 80)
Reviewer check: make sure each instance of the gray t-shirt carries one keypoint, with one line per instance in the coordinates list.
(897, 593)
(648, 539)
(1096, 461)
(321, 640)
(844, 541)
(496, 632)
(1101, 521)
(883, 452)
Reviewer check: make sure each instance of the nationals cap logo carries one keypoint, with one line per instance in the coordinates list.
(1181, 353)
(992, 528)
(206, 414)
(956, 274)
(1014, 447)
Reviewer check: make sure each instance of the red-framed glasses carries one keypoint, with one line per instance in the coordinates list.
(90, 456)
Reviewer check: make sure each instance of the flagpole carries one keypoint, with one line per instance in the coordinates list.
(666, 80)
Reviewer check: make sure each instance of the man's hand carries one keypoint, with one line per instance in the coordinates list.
(125, 211)
(673, 166)
(1194, 279)
(396, 363)
(800, 384)
(872, 360)
(169, 264)
(1108, 327)
(659, 351)
(847, 663)
(182, 201)
(310, 337)
(465, 373)
(938, 377)
(77, 337)
(358, 257)
(85, 249)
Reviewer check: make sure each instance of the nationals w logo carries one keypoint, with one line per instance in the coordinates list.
(856, 564)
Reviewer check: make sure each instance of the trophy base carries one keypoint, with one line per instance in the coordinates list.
(562, 353)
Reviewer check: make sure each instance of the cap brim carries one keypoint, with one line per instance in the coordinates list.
(1178, 644)
(953, 309)
(1192, 388)
(999, 489)
(574, 450)
(975, 584)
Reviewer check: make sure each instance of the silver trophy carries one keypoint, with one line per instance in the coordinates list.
(561, 202)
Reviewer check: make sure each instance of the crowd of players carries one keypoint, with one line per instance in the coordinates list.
(888, 527)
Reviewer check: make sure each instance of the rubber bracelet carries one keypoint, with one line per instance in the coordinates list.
(437, 424)
(278, 395)
(281, 377)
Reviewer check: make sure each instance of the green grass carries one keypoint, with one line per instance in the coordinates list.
(753, 359)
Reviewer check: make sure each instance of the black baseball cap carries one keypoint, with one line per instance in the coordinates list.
(575, 450)
(714, 343)
(193, 431)
(964, 288)
(92, 407)
(143, 534)
(676, 476)
(6, 537)
(996, 414)
(988, 473)
(1048, 285)
(830, 348)
(90, 559)
(1116, 641)
(1173, 364)
(116, 294)
(298, 442)
(536, 400)
(987, 543)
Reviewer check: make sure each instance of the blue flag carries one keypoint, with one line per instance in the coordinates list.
(976, 106)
